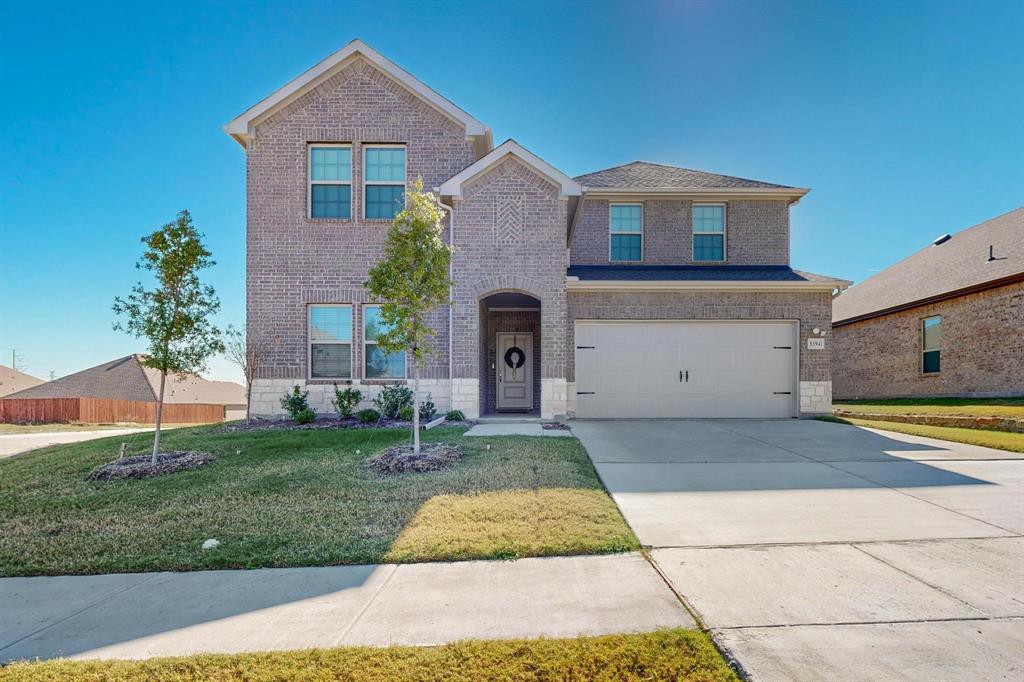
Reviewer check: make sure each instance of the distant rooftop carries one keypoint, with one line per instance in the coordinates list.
(990, 252)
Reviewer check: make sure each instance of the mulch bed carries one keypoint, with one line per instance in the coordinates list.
(257, 424)
(398, 460)
(141, 466)
(554, 426)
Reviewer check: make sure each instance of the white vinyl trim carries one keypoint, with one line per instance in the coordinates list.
(241, 128)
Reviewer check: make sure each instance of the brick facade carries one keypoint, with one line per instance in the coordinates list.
(982, 349)
(757, 232)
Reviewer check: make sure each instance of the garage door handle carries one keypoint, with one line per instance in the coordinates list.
(686, 374)
(783, 347)
(783, 392)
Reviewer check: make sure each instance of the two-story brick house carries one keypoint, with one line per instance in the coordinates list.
(637, 291)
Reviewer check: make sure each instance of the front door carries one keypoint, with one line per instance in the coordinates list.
(515, 371)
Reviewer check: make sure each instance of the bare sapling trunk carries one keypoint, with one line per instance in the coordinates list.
(159, 414)
(248, 400)
(415, 406)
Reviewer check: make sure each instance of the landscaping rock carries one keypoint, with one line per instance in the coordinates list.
(1008, 424)
(401, 459)
(141, 466)
(211, 544)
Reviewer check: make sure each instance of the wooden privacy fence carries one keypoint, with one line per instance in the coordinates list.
(104, 410)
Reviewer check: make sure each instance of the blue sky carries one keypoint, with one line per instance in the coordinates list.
(904, 118)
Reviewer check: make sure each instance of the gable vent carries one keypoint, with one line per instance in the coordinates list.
(940, 240)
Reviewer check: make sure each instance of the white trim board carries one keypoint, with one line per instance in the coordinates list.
(241, 127)
(453, 186)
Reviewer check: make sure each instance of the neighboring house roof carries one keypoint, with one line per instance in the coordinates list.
(957, 266)
(241, 128)
(127, 379)
(12, 381)
(646, 177)
(453, 186)
(698, 276)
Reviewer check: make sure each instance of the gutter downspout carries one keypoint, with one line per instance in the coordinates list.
(451, 296)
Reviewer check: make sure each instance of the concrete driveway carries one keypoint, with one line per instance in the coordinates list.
(17, 443)
(825, 551)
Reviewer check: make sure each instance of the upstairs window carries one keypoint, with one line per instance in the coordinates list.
(330, 342)
(626, 232)
(708, 232)
(377, 363)
(384, 181)
(330, 182)
(931, 341)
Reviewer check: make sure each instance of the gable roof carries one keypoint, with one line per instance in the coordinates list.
(12, 381)
(127, 379)
(954, 267)
(646, 177)
(453, 186)
(241, 127)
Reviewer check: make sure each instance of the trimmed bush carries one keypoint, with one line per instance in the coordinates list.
(345, 401)
(296, 404)
(392, 399)
(405, 414)
(367, 416)
(427, 409)
(455, 416)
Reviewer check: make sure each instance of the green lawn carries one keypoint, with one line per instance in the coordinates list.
(301, 498)
(973, 407)
(684, 655)
(1001, 440)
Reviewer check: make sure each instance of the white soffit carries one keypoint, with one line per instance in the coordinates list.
(567, 186)
(241, 128)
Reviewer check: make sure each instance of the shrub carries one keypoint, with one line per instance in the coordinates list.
(345, 401)
(297, 405)
(427, 409)
(405, 414)
(392, 399)
(455, 416)
(367, 416)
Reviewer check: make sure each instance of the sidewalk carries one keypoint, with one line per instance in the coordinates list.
(16, 443)
(170, 614)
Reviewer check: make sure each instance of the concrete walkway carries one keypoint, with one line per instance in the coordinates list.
(16, 443)
(823, 551)
(513, 429)
(167, 614)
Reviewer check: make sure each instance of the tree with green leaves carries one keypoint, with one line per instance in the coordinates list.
(174, 317)
(411, 281)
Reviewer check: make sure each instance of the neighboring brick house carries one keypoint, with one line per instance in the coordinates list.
(638, 291)
(947, 321)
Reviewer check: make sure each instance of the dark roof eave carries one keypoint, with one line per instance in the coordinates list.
(937, 298)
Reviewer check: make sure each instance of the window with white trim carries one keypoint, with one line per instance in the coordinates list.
(931, 343)
(625, 232)
(330, 341)
(330, 181)
(383, 181)
(376, 363)
(708, 232)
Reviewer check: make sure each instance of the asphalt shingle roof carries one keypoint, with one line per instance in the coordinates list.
(646, 175)
(696, 273)
(959, 263)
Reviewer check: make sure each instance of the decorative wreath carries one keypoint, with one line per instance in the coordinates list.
(518, 355)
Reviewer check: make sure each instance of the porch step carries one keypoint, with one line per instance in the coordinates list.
(510, 420)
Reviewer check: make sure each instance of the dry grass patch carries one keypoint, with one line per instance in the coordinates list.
(1000, 440)
(514, 523)
(683, 655)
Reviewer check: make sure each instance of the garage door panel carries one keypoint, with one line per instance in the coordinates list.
(632, 369)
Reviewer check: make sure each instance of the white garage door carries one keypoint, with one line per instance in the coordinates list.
(685, 369)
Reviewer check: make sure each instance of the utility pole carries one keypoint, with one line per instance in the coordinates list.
(15, 358)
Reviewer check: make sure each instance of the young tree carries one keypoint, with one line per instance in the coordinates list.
(175, 316)
(412, 281)
(248, 354)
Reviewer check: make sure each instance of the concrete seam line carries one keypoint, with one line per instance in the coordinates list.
(909, 621)
(384, 583)
(747, 545)
(82, 610)
(920, 580)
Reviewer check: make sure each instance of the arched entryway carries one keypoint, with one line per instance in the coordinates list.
(510, 354)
